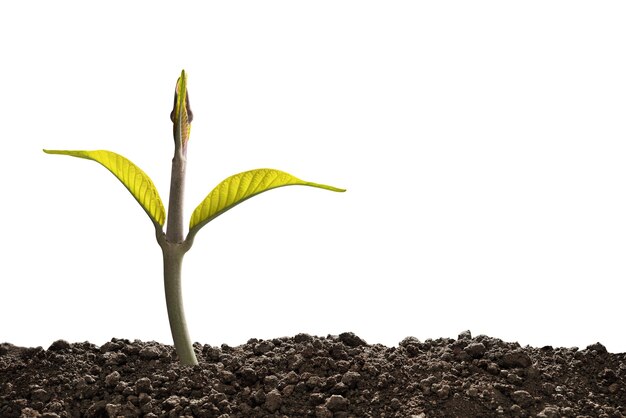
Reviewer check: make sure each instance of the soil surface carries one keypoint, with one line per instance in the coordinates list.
(306, 376)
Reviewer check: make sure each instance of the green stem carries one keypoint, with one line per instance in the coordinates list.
(172, 267)
(174, 248)
(174, 232)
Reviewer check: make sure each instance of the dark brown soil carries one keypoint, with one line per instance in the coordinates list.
(305, 376)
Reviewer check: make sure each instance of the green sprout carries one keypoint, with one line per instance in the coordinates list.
(227, 194)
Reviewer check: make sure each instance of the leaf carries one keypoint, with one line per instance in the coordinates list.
(235, 189)
(181, 114)
(136, 181)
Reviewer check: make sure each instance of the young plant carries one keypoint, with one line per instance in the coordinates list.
(173, 243)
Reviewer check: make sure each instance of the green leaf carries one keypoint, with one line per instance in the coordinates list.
(181, 114)
(235, 189)
(136, 181)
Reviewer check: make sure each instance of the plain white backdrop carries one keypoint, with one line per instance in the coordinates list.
(483, 146)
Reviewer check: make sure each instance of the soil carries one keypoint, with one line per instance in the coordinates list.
(305, 376)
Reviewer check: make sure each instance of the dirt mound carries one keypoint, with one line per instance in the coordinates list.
(306, 376)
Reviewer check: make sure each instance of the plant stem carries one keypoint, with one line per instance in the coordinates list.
(174, 248)
(172, 267)
(174, 232)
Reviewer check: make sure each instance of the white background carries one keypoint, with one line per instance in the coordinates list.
(483, 146)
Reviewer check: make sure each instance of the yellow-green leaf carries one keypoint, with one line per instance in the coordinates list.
(235, 189)
(136, 181)
(181, 114)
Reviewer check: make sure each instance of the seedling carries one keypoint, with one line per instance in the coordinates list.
(227, 194)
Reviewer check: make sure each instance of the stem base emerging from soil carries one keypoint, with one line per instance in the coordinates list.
(172, 268)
